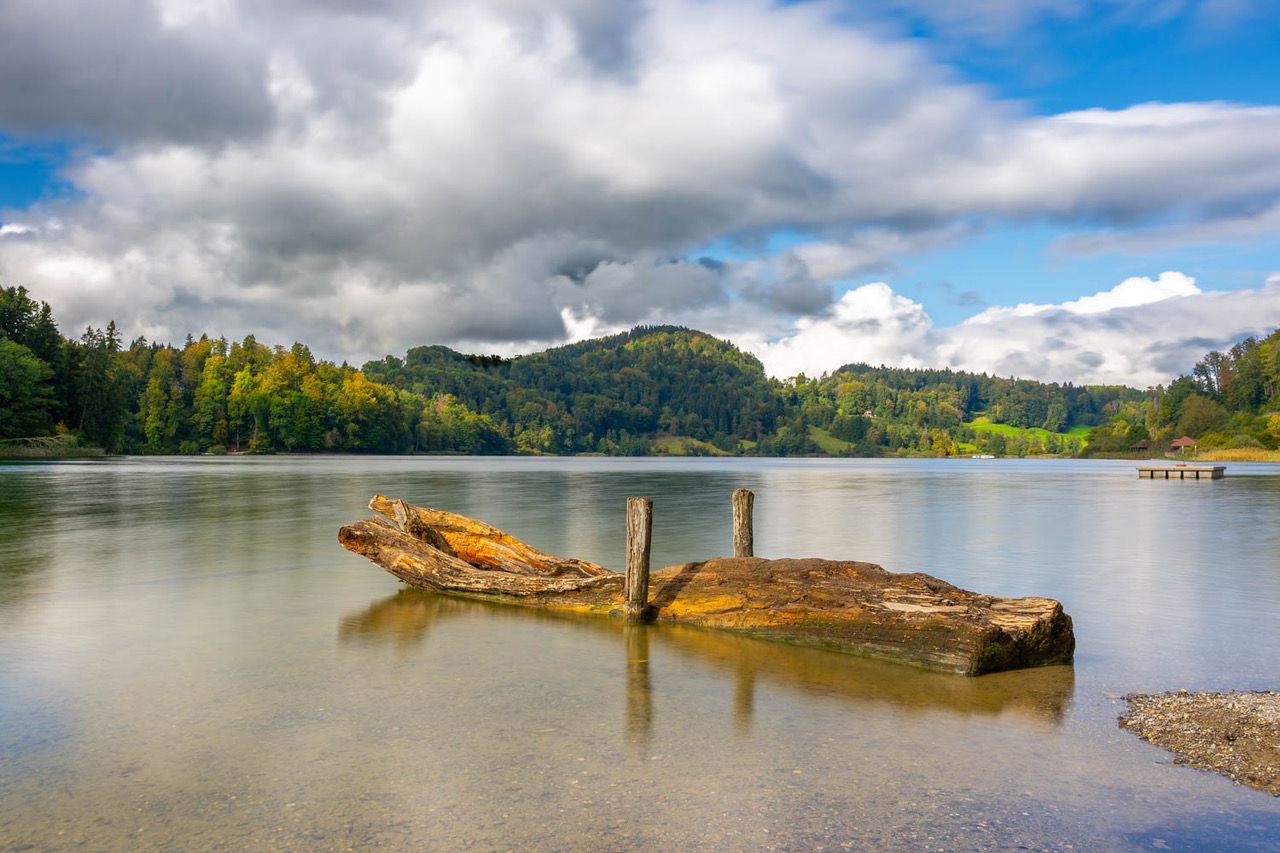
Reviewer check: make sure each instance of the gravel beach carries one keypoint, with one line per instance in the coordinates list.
(1235, 734)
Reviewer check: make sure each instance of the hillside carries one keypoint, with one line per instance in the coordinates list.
(608, 395)
(664, 389)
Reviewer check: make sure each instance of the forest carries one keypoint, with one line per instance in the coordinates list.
(652, 390)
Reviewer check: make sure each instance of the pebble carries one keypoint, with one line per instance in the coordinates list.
(1236, 734)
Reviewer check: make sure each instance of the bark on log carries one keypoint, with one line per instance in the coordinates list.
(844, 605)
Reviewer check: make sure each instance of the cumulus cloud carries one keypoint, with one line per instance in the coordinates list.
(869, 323)
(1252, 225)
(1141, 332)
(506, 174)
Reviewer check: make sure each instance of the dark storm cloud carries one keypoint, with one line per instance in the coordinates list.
(795, 295)
(110, 71)
(577, 265)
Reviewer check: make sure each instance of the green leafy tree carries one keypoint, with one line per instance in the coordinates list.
(1200, 415)
(26, 396)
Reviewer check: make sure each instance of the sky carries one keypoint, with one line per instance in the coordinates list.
(1079, 191)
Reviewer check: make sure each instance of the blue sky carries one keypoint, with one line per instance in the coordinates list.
(1099, 62)
(29, 172)
(1098, 57)
(1103, 62)
(884, 180)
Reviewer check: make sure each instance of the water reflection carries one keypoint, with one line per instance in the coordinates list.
(20, 539)
(639, 687)
(744, 697)
(170, 676)
(405, 619)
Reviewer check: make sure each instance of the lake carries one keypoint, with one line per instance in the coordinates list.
(190, 661)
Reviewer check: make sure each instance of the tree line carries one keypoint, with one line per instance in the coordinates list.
(1229, 399)
(652, 389)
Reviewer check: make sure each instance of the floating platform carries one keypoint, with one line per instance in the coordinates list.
(1182, 472)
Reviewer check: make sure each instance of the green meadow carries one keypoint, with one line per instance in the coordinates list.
(983, 424)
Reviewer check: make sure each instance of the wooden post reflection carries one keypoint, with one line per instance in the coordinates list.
(744, 695)
(639, 690)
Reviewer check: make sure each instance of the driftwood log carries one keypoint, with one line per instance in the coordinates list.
(844, 605)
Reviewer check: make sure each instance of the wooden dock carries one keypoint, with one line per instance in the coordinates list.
(1181, 472)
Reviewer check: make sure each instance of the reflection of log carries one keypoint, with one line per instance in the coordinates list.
(848, 606)
(405, 619)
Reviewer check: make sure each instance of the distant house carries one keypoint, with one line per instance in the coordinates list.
(1183, 443)
(868, 414)
(1145, 444)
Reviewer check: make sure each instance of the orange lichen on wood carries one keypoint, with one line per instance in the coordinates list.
(485, 546)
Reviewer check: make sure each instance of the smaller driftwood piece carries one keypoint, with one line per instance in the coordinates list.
(844, 605)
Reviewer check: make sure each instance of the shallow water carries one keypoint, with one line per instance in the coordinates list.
(188, 660)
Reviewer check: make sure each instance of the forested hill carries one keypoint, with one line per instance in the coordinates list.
(659, 389)
(673, 389)
(945, 412)
(611, 395)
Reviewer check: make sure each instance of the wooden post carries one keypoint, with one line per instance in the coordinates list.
(639, 533)
(744, 502)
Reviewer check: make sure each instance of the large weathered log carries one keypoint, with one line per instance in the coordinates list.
(849, 606)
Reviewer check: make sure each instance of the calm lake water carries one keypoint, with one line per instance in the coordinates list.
(189, 661)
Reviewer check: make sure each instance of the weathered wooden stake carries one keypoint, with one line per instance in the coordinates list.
(744, 501)
(639, 533)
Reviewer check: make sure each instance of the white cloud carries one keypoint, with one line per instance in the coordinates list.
(503, 174)
(1138, 290)
(870, 323)
(1141, 332)
(1254, 225)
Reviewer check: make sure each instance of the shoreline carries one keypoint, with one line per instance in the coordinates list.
(64, 452)
(1235, 734)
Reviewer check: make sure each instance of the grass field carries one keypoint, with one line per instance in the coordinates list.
(984, 424)
(1238, 454)
(827, 442)
(678, 445)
